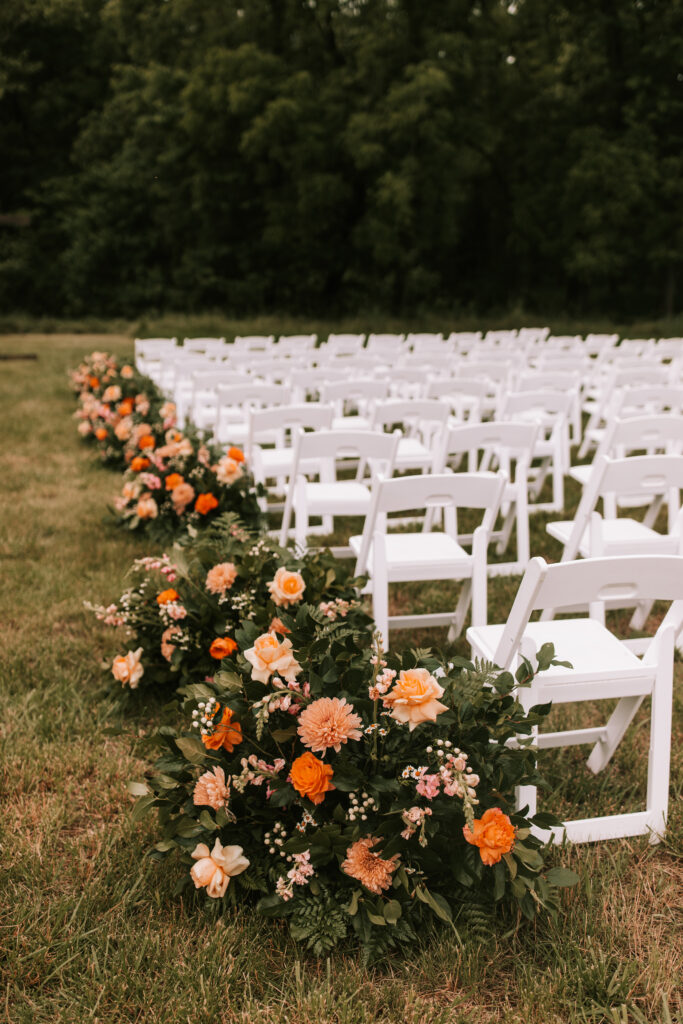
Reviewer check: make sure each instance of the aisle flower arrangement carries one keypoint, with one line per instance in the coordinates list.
(179, 616)
(120, 410)
(179, 487)
(353, 794)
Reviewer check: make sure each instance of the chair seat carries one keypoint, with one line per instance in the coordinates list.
(340, 498)
(421, 556)
(231, 433)
(351, 423)
(581, 473)
(620, 537)
(594, 653)
(412, 453)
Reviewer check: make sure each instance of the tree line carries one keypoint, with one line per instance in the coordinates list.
(326, 156)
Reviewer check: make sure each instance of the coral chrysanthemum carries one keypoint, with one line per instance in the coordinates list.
(329, 722)
(369, 868)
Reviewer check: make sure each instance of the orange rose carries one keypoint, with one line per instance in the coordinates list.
(493, 833)
(94, 382)
(139, 463)
(146, 441)
(168, 596)
(101, 433)
(125, 407)
(236, 453)
(205, 503)
(173, 480)
(311, 778)
(222, 647)
(225, 734)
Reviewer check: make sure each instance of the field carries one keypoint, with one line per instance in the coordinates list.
(90, 929)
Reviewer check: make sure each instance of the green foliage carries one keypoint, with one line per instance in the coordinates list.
(340, 155)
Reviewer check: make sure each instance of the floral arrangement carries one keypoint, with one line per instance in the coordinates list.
(182, 485)
(120, 410)
(181, 612)
(353, 794)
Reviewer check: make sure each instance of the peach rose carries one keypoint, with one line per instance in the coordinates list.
(311, 778)
(228, 470)
(182, 496)
(127, 372)
(127, 670)
(171, 451)
(287, 587)
(214, 870)
(123, 428)
(413, 698)
(131, 490)
(139, 463)
(221, 647)
(270, 656)
(205, 503)
(146, 507)
(493, 833)
(112, 393)
(84, 429)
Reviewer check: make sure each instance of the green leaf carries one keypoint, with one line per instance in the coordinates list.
(137, 788)
(192, 749)
(375, 918)
(282, 735)
(392, 911)
(511, 863)
(352, 908)
(207, 821)
(562, 877)
(142, 806)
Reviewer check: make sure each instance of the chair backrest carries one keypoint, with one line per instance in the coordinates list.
(638, 477)
(642, 433)
(297, 341)
(376, 449)
(258, 394)
(344, 344)
(253, 343)
(653, 398)
(592, 582)
(209, 345)
(481, 491)
(385, 344)
(557, 403)
(349, 389)
(302, 416)
(412, 411)
(508, 440)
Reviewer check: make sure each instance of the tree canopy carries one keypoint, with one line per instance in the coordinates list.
(335, 155)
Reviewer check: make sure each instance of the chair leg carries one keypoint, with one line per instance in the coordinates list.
(380, 588)
(660, 739)
(461, 610)
(640, 615)
(618, 723)
(301, 513)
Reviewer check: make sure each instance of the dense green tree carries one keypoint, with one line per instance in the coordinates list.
(327, 155)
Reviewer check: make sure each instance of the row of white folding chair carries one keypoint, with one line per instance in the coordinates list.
(659, 432)
(628, 396)
(602, 668)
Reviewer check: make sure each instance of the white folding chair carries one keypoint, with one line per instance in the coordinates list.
(499, 445)
(551, 410)
(276, 426)
(252, 343)
(399, 557)
(356, 392)
(422, 423)
(328, 496)
(297, 343)
(650, 434)
(603, 667)
(343, 344)
(233, 404)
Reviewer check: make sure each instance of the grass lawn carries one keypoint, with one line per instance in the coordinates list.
(90, 930)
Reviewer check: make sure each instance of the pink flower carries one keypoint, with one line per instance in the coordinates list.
(428, 786)
(329, 722)
(167, 648)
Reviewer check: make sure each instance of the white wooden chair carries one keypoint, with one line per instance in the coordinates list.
(603, 667)
(233, 403)
(400, 557)
(500, 445)
(274, 465)
(422, 424)
(552, 411)
(328, 496)
(358, 392)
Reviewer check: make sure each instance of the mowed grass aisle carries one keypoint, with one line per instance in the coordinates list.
(90, 930)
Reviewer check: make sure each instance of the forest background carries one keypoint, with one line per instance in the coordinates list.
(323, 157)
